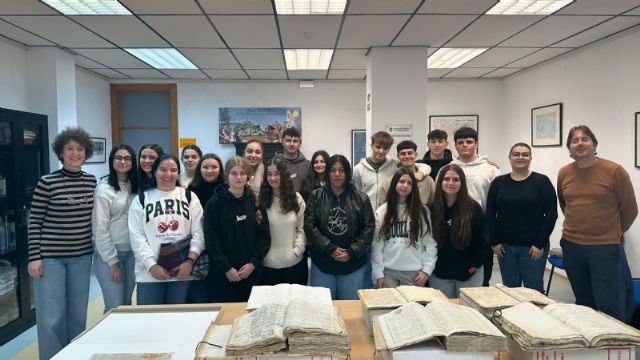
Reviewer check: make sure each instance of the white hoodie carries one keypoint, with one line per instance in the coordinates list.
(479, 174)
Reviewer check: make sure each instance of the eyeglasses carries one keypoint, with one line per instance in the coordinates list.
(122, 158)
(524, 155)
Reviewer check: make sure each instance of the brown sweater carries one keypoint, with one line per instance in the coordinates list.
(598, 202)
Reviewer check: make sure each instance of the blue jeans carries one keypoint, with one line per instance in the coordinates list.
(451, 287)
(342, 287)
(518, 269)
(62, 295)
(165, 292)
(600, 277)
(116, 293)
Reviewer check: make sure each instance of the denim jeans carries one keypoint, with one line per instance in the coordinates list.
(62, 295)
(451, 288)
(600, 277)
(116, 293)
(518, 269)
(165, 292)
(342, 287)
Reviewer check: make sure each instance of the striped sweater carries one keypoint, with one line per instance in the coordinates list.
(60, 222)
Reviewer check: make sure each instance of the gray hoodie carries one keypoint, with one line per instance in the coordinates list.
(298, 167)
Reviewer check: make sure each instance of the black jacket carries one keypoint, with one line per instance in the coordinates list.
(345, 221)
(438, 164)
(231, 233)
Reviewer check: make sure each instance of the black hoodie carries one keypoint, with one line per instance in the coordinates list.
(437, 164)
(231, 233)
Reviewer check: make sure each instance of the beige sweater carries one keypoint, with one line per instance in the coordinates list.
(598, 202)
(288, 241)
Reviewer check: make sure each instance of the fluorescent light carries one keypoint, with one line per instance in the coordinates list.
(88, 7)
(308, 59)
(527, 7)
(450, 58)
(163, 58)
(310, 7)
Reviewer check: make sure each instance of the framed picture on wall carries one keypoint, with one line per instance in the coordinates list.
(451, 123)
(358, 146)
(546, 125)
(637, 147)
(99, 151)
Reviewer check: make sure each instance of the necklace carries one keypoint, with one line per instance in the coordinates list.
(83, 200)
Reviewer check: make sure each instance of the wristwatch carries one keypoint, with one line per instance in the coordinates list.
(191, 261)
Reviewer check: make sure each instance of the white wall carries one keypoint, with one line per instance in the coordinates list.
(13, 76)
(599, 87)
(329, 110)
(93, 113)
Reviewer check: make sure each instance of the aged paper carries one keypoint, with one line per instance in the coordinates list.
(145, 356)
(422, 295)
(456, 319)
(381, 298)
(258, 332)
(523, 294)
(489, 297)
(283, 293)
(407, 325)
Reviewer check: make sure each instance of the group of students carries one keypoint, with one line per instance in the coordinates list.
(382, 223)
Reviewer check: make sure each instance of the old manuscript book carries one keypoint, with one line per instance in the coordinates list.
(458, 328)
(307, 327)
(283, 293)
(497, 297)
(564, 326)
(376, 302)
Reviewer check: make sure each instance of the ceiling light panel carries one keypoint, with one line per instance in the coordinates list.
(88, 7)
(527, 7)
(308, 59)
(163, 58)
(450, 58)
(310, 7)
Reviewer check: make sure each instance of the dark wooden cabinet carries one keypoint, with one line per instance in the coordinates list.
(24, 158)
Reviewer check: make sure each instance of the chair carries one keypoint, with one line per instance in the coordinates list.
(636, 291)
(557, 262)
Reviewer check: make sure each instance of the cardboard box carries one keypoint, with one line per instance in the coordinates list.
(617, 353)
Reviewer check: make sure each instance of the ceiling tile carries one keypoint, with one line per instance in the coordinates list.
(467, 73)
(309, 32)
(267, 74)
(19, 35)
(490, 30)
(237, 7)
(349, 59)
(432, 30)
(383, 6)
(108, 73)
(498, 73)
(347, 74)
(161, 6)
(143, 73)
(552, 29)
(58, 29)
(307, 74)
(599, 7)
(539, 56)
(266, 59)
(226, 74)
(113, 58)
(124, 31)
(87, 63)
(248, 31)
(370, 30)
(185, 31)
(185, 74)
(610, 27)
(456, 6)
(211, 58)
(498, 57)
(436, 73)
(18, 7)
(635, 11)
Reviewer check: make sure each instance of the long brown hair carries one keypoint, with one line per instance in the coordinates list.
(462, 211)
(415, 208)
(288, 199)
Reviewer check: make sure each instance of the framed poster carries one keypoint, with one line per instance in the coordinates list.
(358, 146)
(241, 124)
(637, 148)
(451, 123)
(99, 151)
(546, 125)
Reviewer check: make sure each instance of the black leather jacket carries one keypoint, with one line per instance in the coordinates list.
(359, 221)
